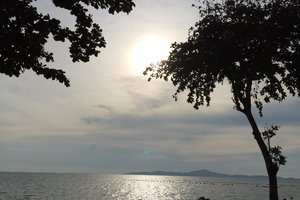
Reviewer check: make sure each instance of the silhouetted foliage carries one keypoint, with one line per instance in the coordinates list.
(24, 33)
(254, 45)
(275, 152)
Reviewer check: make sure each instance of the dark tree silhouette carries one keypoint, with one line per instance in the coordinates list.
(254, 46)
(24, 33)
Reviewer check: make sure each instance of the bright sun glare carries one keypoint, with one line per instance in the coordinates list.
(149, 49)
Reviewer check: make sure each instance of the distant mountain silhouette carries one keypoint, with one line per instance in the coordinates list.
(200, 173)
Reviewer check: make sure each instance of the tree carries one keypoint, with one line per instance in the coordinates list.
(24, 33)
(254, 46)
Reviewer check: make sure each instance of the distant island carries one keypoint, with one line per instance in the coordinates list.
(200, 173)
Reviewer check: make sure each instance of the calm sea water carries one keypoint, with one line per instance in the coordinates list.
(33, 186)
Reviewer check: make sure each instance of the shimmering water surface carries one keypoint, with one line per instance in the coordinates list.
(27, 186)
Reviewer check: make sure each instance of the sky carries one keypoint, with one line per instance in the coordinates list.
(112, 120)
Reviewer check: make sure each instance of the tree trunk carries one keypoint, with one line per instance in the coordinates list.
(273, 191)
(272, 168)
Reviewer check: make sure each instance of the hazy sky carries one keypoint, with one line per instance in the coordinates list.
(112, 120)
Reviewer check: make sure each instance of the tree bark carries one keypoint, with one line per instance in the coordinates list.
(272, 168)
(273, 190)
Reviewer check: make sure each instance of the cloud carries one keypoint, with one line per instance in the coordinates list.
(286, 113)
(198, 138)
(109, 109)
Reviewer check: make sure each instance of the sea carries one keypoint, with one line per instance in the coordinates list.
(59, 186)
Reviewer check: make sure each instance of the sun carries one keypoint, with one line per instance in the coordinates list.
(148, 49)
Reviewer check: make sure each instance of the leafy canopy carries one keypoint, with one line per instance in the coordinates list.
(252, 44)
(24, 33)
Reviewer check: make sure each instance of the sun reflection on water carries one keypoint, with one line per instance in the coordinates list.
(150, 188)
(141, 187)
